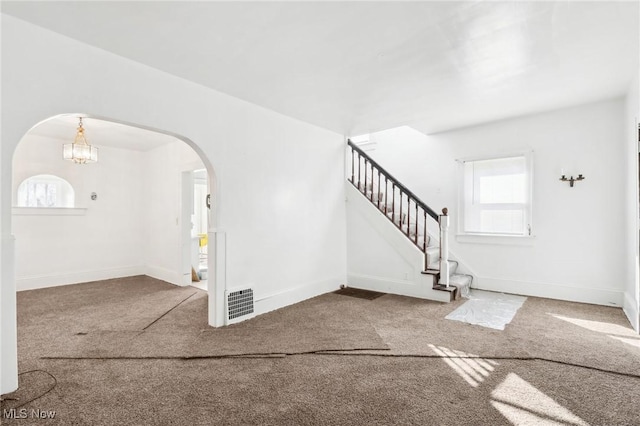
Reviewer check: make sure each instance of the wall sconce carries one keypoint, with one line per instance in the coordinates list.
(571, 180)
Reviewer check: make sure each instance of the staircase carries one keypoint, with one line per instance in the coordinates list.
(414, 219)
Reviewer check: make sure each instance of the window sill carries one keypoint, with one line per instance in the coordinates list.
(49, 211)
(516, 240)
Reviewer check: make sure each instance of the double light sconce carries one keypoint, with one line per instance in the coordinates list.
(571, 180)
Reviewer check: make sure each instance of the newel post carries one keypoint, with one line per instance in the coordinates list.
(444, 247)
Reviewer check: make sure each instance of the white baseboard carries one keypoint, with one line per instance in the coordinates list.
(630, 309)
(43, 281)
(380, 283)
(163, 274)
(421, 289)
(271, 302)
(596, 296)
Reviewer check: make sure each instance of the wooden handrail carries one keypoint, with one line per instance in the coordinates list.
(390, 177)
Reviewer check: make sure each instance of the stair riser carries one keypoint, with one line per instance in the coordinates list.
(453, 267)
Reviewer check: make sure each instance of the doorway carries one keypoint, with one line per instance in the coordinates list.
(124, 219)
(196, 202)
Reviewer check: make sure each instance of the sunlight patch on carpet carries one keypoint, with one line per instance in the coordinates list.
(473, 369)
(633, 342)
(521, 403)
(488, 309)
(615, 331)
(599, 326)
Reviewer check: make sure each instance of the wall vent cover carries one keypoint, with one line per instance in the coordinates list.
(239, 305)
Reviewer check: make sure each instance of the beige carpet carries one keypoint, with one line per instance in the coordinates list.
(139, 326)
(547, 367)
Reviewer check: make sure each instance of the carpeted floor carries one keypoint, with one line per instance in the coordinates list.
(138, 351)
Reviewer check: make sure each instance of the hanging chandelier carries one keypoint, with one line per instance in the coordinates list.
(80, 151)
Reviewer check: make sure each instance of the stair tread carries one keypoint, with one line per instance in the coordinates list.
(461, 279)
(450, 289)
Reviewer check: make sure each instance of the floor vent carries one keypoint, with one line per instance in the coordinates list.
(239, 305)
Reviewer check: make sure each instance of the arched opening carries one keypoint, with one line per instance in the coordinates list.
(133, 174)
(130, 174)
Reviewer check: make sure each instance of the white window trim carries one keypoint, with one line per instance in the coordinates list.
(487, 238)
(520, 240)
(49, 211)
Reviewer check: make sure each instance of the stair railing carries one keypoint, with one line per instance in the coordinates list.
(401, 206)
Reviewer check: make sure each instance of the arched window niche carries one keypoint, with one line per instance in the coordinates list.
(46, 194)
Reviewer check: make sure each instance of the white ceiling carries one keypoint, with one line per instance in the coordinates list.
(101, 133)
(355, 67)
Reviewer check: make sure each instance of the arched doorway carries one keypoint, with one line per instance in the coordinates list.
(216, 256)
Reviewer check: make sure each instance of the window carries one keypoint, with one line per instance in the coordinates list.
(496, 196)
(45, 191)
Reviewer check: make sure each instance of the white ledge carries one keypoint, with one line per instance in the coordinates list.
(49, 211)
(518, 240)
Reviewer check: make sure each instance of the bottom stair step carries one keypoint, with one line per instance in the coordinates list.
(452, 290)
(462, 283)
(459, 286)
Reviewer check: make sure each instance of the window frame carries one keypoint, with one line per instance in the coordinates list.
(498, 238)
(62, 186)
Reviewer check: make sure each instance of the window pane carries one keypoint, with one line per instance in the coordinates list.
(45, 191)
(31, 197)
(496, 196)
(498, 181)
(499, 166)
(41, 194)
(502, 189)
(51, 195)
(502, 221)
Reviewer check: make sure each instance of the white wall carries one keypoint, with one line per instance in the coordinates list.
(578, 252)
(104, 241)
(280, 187)
(163, 167)
(632, 290)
